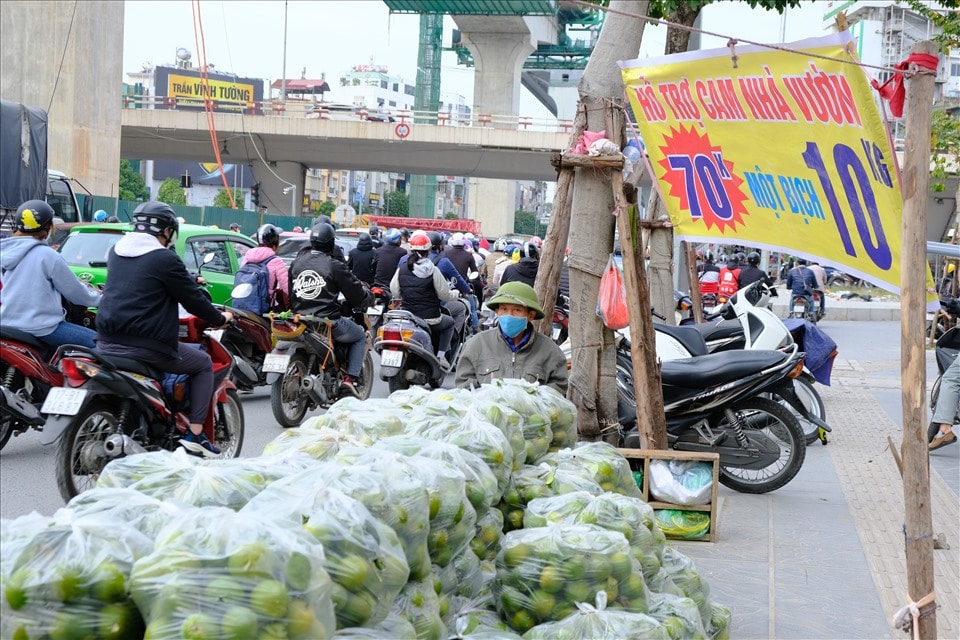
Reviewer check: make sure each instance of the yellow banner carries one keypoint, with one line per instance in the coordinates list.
(773, 150)
(224, 93)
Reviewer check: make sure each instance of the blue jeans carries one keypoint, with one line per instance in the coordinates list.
(69, 333)
(349, 333)
(948, 402)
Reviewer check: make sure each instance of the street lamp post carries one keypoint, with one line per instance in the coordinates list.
(292, 190)
(283, 80)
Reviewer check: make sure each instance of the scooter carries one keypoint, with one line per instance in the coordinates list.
(248, 340)
(799, 308)
(110, 406)
(408, 353)
(378, 310)
(27, 378)
(714, 403)
(749, 324)
(946, 351)
(305, 369)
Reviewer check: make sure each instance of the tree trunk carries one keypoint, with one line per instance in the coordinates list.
(660, 271)
(593, 371)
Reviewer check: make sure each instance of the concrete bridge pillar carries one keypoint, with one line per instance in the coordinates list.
(272, 188)
(499, 46)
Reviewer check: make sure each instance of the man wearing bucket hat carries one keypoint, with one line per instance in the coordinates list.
(514, 349)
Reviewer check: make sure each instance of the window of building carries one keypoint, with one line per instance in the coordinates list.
(383, 84)
(954, 68)
(396, 86)
(408, 89)
(392, 103)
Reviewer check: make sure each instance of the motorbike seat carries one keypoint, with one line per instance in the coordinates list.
(687, 335)
(717, 368)
(400, 314)
(133, 366)
(718, 330)
(23, 337)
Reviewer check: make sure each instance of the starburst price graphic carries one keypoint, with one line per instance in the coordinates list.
(702, 180)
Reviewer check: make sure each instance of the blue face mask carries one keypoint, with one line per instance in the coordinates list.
(512, 326)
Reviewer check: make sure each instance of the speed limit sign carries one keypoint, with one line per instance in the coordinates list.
(402, 130)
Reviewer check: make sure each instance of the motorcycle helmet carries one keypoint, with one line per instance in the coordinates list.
(753, 258)
(393, 236)
(154, 218)
(267, 235)
(436, 240)
(113, 219)
(529, 250)
(420, 241)
(235, 227)
(500, 244)
(456, 240)
(298, 229)
(322, 237)
(741, 257)
(34, 216)
(100, 216)
(708, 256)
(802, 261)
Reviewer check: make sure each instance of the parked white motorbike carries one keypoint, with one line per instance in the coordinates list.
(748, 324)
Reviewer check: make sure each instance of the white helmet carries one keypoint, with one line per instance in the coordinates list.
(500, 244)
(456, 240)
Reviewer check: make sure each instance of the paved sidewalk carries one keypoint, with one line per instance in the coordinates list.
(823, 557)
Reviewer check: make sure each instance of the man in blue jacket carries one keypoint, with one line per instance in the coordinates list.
(802, 282)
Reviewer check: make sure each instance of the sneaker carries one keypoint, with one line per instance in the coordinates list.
(941, 440)
(199, 445)
(349, 387)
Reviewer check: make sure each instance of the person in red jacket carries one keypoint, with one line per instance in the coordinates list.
(729, 277)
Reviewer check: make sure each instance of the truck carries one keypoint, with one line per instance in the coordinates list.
(23, 168)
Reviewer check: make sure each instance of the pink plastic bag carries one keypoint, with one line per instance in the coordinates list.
(585, 140)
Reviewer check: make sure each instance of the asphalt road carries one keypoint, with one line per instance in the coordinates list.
(28, 479)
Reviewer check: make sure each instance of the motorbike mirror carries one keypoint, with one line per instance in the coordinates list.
(242, 290)
(208, 258)
(472, 275)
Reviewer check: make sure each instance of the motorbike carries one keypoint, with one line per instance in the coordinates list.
(110, 407)
(378, 310)
(28, 371)
(748, 323)
(946, 317)
(800, 310)
(713, 403)
(248, 339)
(27, 378)
(408, 352)
(305, 369)
(946, 350)
(561, 319)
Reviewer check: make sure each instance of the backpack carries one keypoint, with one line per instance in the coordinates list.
(728, 281)
(257, 276)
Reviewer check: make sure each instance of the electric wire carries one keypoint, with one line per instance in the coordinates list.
(63, 56)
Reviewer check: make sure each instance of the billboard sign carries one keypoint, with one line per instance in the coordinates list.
(227, 92)
(204, 173)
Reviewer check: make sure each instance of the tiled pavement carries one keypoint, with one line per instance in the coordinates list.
(823, 557)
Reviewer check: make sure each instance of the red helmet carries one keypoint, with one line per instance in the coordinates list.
(420, 241)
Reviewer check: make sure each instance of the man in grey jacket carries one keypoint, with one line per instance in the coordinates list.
(514, 349)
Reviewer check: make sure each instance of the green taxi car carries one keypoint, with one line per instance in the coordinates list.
(86, 248)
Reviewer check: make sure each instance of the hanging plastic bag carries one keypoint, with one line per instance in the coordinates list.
(612, 303)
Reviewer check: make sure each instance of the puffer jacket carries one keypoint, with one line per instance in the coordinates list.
(363, 260)
(487, 356)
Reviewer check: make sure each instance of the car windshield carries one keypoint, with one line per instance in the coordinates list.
(88, 249)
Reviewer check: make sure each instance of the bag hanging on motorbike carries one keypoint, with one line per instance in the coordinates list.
(257, 276)
(612, 303)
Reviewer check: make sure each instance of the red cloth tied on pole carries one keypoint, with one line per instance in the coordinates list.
(893, 90)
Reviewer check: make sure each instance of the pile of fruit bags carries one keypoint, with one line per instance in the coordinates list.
(426, 515)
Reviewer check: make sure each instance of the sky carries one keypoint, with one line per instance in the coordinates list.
(247, 38)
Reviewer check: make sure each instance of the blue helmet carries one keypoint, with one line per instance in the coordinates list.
(392, 236)
(100, 216)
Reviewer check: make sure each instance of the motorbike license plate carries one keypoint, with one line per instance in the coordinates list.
(555, 333)
(216, 334)
(275, 363)
(389, 358)
(375, 311)
(63, 401)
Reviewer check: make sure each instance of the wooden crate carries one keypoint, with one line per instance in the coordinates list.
(639, 460)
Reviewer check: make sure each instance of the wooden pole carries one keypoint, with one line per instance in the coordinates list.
(694, 278)
(647, 387)
(558, 231)
(918, 528)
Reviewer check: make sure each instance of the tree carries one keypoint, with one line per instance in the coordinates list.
(132, 186)
(525, 223)
(222, 199)
(171, 192)
(397, 204)
(326, 208)
(450, 215)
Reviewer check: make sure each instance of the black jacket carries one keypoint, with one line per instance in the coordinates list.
(388, 257)
(316, 281)
(139, 305)
(461, 259)
(523, 271)
(363, 261)
(749, 275)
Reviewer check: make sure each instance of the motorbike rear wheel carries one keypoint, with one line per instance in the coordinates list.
(367, 376)
(288, 403)
(764, 417)
(80, 453)
(228, 425)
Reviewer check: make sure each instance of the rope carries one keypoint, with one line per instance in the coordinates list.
(909, 623)
(731, 41)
